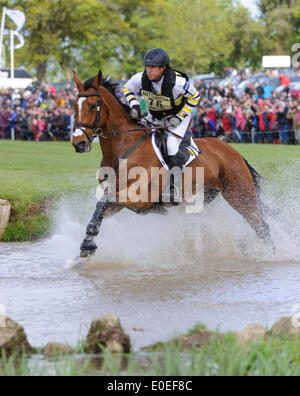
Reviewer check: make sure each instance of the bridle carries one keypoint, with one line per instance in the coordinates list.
(80, 125)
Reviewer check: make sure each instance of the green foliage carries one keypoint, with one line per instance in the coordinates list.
(27, 230)
(281, 25)
(187, 30)
(197, 327)
(222, 357)
(200, 35)
(34, 177)
(269, 5)
(247, 46)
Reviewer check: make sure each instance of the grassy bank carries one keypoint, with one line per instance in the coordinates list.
(34, 175)
(273, 356)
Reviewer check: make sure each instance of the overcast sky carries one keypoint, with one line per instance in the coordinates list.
(251, 5)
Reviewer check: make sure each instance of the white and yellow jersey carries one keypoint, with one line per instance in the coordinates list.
(182, 90)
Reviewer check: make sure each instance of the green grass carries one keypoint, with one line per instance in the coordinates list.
(197, 327)
(33, 175)
(279, 165)
(222, 357)
(269, 159)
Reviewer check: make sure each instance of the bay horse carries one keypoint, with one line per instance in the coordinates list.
(99, 112)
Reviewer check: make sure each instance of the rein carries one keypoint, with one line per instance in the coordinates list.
(105, 135)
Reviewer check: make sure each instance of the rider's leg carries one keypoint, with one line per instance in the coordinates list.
(177, 158)
(173, 144)
(176, 135)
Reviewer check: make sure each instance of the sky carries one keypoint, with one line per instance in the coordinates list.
(251, 5)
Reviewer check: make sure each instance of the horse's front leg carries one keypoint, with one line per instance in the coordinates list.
(103, 209)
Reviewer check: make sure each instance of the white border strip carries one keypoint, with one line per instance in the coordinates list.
(277, 61)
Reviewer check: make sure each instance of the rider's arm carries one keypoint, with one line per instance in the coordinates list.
(132, 89)
(188, 90)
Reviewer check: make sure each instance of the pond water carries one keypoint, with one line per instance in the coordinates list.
(160, 274)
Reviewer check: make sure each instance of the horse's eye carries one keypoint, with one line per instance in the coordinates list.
(93, 107)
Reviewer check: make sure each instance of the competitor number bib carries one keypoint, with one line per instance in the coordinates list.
(157, 102)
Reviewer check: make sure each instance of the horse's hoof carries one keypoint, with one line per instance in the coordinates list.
(87, 253)
(88, 248)
(88, 244)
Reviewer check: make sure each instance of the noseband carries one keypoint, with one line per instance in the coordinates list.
(79, 125)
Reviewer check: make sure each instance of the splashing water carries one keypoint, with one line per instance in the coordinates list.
(217, 235)
(159, 273)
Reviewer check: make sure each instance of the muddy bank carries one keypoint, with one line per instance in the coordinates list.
(27, 223)
(107, 334)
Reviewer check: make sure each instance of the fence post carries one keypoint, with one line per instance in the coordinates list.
(5, 208)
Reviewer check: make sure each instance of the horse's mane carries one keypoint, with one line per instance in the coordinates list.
(112, 86)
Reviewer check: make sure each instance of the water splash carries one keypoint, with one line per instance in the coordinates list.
(216, 237)
(161, 274)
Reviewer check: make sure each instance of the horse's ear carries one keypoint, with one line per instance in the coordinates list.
(98, 80)
(78, 82)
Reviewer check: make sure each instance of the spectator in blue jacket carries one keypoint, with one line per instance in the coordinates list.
(267, 90)
(210, 126)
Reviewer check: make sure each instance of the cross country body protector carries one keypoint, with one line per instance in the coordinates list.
(163, 104)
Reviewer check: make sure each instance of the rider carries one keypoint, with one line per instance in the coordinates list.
(170, 98)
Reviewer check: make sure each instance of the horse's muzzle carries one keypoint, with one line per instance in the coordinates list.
(82, 147)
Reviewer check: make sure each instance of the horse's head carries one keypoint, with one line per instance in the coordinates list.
(88, 112)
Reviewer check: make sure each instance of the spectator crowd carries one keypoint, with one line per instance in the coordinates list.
(260, 115)
(36, 113)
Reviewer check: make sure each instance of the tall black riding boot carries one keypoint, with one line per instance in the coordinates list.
(176, 163)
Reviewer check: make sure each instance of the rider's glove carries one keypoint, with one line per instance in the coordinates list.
(136, 112)
(173, 121)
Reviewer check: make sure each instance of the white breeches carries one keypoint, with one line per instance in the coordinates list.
(173, 142)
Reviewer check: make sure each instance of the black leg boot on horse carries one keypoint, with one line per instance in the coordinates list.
(88, 247)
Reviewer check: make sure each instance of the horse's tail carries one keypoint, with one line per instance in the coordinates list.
(258, 179)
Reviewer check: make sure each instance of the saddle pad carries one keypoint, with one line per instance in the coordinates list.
(162, 161)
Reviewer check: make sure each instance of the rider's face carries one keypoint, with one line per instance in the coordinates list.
(155, 72)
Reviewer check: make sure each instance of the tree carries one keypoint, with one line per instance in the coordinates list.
(55, 29)
(192, 31)
(125, 45)
(59, 30)
(281, 24)
(200, 35)
(268, 5)
(246, 35)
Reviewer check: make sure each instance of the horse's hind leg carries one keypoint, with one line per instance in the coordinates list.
(244, 201)
(103, 209)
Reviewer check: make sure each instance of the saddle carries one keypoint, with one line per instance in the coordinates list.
(161, 138)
